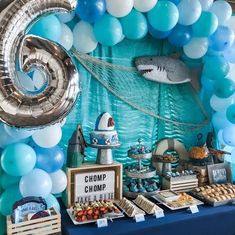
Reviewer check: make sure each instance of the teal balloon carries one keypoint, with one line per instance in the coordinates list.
(52, 202)
(164, 16)
(134, 25)
(224, 88)
(18, 159)
(207, 84)
(230, 113)
(215, 67)
(205, 25)
(108, 30)
(8, 180)
(3, 226)
(48, 27)
(8, 198)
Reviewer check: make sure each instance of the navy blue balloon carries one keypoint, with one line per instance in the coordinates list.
(49, 159)
(221, 39)
(180, 35)
(90, 10)
(156, 33)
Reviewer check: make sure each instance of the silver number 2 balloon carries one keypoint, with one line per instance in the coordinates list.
(17, 106)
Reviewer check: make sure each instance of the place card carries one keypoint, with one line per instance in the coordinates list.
(194, 209)
(139, 218)
(102, 223)
(159, 214)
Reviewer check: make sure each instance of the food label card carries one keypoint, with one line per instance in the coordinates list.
(193, 209)
(102, 223)
(139, 218)
(159, 214)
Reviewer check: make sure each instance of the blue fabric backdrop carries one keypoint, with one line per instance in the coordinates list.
(131, 123)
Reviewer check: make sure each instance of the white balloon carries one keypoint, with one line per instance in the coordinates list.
(144, 6)
(231, 23)
(220, 104)
(59, 182)
(119, 8)
(83, 37)
(48, 137)
(66, 39)
(222, 10)
(196, 48)
(66, 17)
(189, 11)
(206, 4)
(63, 122)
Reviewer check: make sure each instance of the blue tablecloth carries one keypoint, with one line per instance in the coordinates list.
(209, 221)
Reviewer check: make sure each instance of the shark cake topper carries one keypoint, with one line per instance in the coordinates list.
(163, 69)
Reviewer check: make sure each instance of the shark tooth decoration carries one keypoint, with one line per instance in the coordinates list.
(163, 69)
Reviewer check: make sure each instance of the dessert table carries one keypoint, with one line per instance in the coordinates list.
(209, 221)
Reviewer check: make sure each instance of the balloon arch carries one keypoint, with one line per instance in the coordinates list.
(199, 27)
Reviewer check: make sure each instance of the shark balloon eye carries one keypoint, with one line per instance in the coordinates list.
(18, 107)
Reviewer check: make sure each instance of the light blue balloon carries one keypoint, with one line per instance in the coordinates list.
(52, 202)
(66, 17)
(163, 16)
(156, 33)
(134, 25)
(215, 67)
(229, 54)
(49, 159)
(37, 183)
(8, 198)
(230, 113)
(180, 35)
(189, 11)
(219, 120)
(108, 30)
(221, 39)
(18, 133)
(8, 180)
(229, 135)
(48, 27)
(66, 39)
(224, 87)
(18, 159)
(205, 25)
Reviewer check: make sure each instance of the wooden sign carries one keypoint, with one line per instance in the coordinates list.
(91, 182)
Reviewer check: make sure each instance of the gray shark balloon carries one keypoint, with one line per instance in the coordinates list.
(163, 69)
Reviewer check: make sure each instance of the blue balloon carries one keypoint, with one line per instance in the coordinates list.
(221, 39)
(8, 198)
(52, 202)
(134, 25)
(48, 27)
(215, 67)
(229, 135)
(18, 159)
(207, 84)
(163, 16)
(180, 35)
(229, 54)
(108, 30)
(158, 34)
(49, 159)
(224, 87)
(91, 10)
(176, 2)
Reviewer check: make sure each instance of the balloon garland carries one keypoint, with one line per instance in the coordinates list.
(32, 166)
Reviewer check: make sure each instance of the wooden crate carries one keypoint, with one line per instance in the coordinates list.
(42, 226)
(179, 185)
(69, 196)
